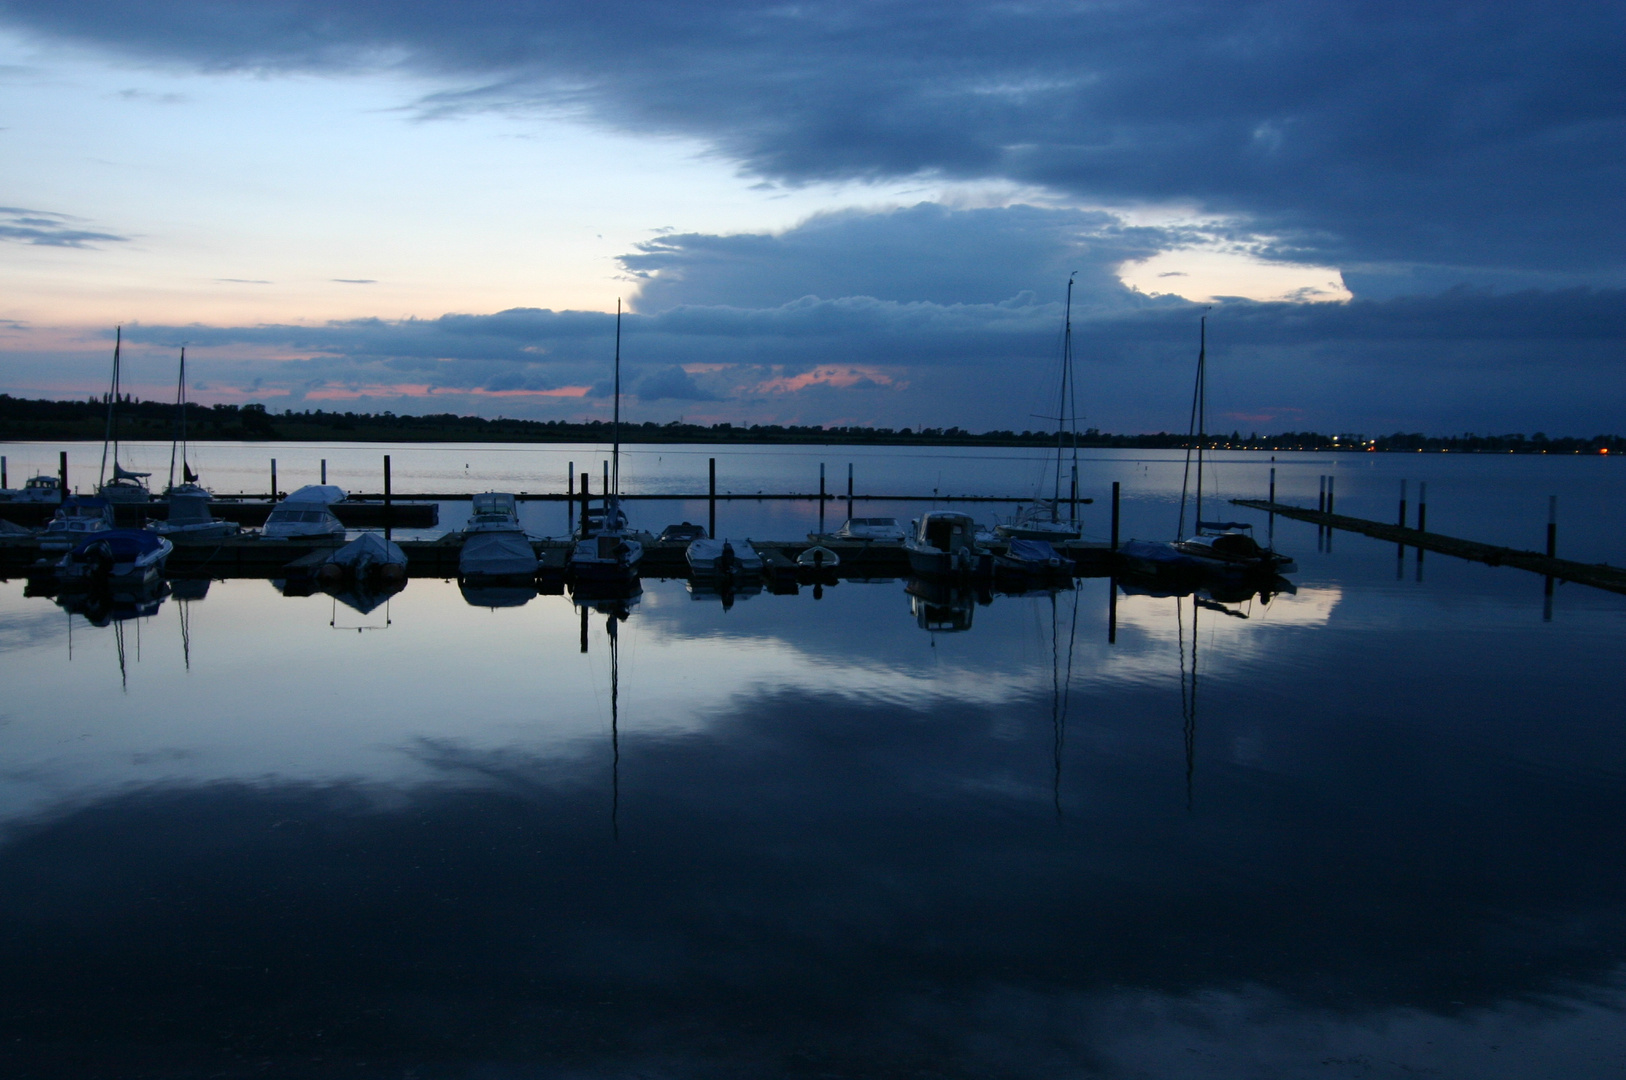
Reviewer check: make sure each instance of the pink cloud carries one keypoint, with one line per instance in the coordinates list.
(828, 375)
(424, 390)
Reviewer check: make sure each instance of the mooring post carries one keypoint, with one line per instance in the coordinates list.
(1422, 510)
(1402, 519)
(1112, 610)
(1272, 499)
(606, 486)
(585, 500)
(1329, 499)
(389, 517)
(821, 496)
(711, 501)
(1321, 497)
(62, 473)
(273, 479)
(1552, 526)
(3, 471)
(584, 616)
(1115, 487)
(324, 470)
(849, 489)
(570, 494)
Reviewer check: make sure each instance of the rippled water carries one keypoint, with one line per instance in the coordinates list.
(1372, 828)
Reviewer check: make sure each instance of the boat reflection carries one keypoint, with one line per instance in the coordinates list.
(942, 606)
(724, 590)
(364, 599)
(496, 595)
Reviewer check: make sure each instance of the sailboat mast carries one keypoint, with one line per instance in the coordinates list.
(183, 415)
(180, 404)
(1202, 414)
(1061, 416)
(615, 451)
(112, 398)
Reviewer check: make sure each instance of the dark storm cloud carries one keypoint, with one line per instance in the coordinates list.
(671, 383)
(1454, 135)
(923, 252)
(46, 229)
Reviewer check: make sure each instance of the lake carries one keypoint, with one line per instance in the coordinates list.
(1367, 828)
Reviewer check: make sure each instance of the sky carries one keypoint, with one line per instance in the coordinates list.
(1397, 217)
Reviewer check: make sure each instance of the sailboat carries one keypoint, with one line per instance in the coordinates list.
(607, 551)
(189, 516)
(1043, 520)
(1216, 546)
(126, 486)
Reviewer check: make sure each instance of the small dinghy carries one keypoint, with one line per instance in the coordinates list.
(818, 557)
(368, 559)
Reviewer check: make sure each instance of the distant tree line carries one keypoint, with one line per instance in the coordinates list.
(59, 420)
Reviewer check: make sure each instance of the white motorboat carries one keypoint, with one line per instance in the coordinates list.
(874, 529)
(722, 558)
(494, 554)
(307, 513)
(115, 555)
(493, 511)
(944, 544)
(77, 518)
(38, 489)
(607, 551)
(189, 517)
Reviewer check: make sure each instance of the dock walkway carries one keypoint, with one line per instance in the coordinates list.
(1597, 575)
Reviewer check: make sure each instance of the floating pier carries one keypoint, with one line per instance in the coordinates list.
(1597, 575)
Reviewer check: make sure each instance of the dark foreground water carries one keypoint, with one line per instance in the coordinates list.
(1372, 829)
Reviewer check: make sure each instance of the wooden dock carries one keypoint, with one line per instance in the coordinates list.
(1597, 575)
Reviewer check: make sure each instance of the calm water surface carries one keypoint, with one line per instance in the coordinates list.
(1371, 828)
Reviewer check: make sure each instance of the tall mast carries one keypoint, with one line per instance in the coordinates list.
(1202, 417)
(180, 404)
(112, 399)
(1066, 380)
(615, 452)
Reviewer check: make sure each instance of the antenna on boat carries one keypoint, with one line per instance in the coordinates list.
(112, 399)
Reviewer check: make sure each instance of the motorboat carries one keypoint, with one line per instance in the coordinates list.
(944, 545)
(189, 517)
(682, 533)
(1032, 559)
(491, 555)
(818, 557)
(127, 556)
(307, 513)
(127, 486)
(369, 560)
(494, 544)
(493, 511)
(38, 489)
(606, 550)
(873, 529)
(722, 558)
(78, 517)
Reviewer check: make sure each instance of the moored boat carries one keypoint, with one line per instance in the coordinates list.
(189, 517)
(78, 517)
(722, 558)
(306, 514)
(37, 489)
(130, 556)
(944, 544)
(606, 550)
(873, 529)
(495, 546)
(368, 560)
(1032, 559)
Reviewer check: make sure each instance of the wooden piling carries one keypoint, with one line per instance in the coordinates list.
(711, 516)
(1552, 526)
(324, 470)
(1401, 520)
(387, 516)
(849, 489)
(821, 496)
(585, 479)
(1422, 509)
(1112, 608)
(570, 494)
(1115, 487)
(3, 472)
(62, 473)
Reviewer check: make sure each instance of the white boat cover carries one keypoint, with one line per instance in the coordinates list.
(321, 494)
(497, 554)
(704, 553)
(366, 550)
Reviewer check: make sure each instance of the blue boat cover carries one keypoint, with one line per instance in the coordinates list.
(1033, 551)
(122, 544)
